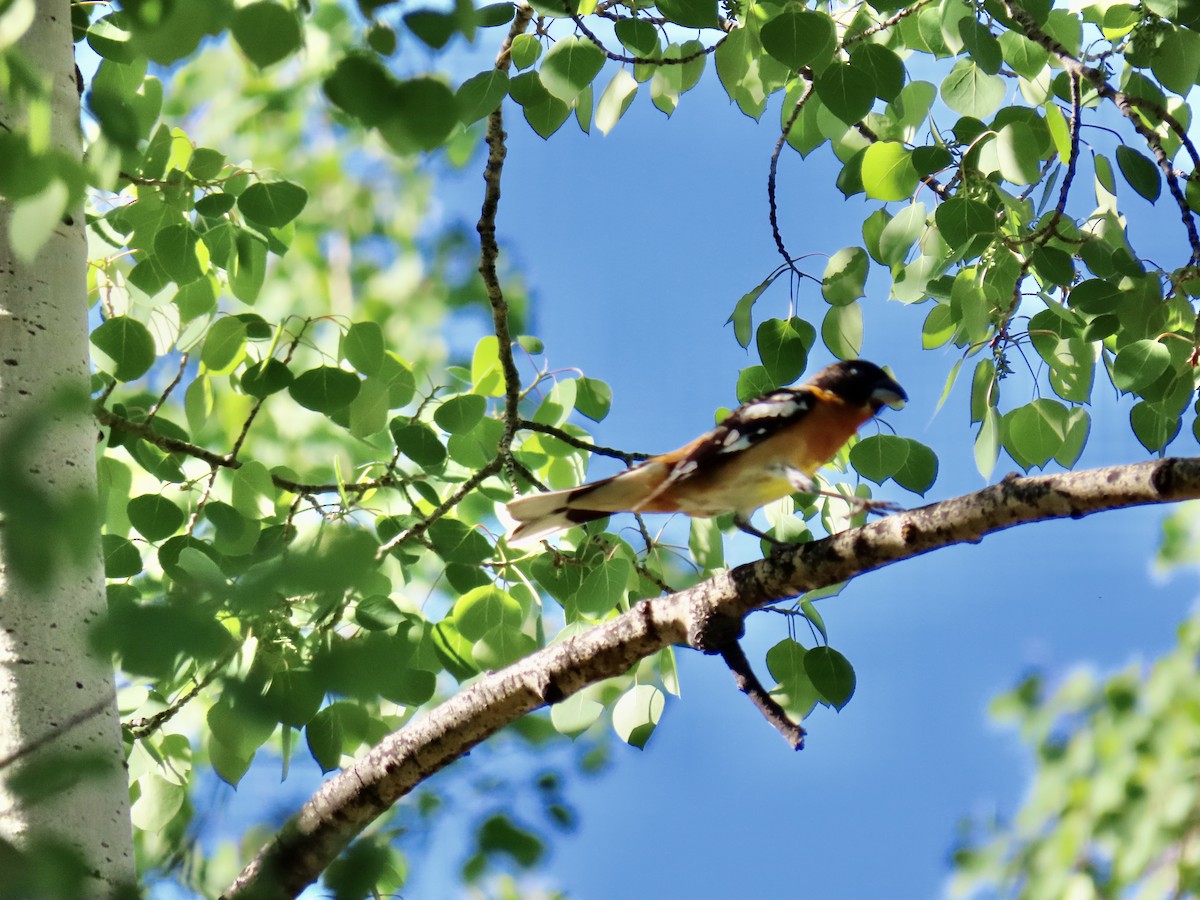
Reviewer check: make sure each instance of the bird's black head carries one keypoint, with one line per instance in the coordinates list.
(860, 383)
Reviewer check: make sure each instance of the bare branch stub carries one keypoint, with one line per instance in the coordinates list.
(747, 682)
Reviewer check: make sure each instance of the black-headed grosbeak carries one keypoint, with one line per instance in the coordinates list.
(766, 449)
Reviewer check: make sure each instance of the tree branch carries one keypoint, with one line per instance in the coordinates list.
(350, 801)
(747, 682)
(489, 249)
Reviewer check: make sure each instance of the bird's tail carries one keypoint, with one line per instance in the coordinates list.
(541, 515)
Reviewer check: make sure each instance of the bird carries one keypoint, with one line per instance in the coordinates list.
(766, 449)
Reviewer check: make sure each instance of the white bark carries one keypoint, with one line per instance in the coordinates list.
(54, 697)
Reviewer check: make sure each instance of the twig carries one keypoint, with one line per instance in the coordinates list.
(648, 61)
(489, 249)
(747, 682)
(173, 445)
(851, 39)
(579, 444)
(444, 507)
(143, 728)
(183, 361)
(774, 169)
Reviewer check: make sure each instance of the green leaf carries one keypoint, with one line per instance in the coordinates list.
(798, 37)
(1142, 174)
(959, 220)
(909, 463)
(846, 91)
(970, 91)
(121, 558)
(1025, 57)
(987, 443)
(1053, 266)
(1034, 433)
(1154, 424)
(266, 32)
(783, 348)
(706, 544)
(575, 715)
(419, 443)
(266, 378)
(224, 345)
(785, 661)
(1176, 60)
(831, 674)
(753, 382)
(883, 66)
(502, 646)
(980, 44)
(544, 112)
(128, 346)
(461, 413)
(526, 48)
(458, 542)
(247, 266)
(434, 28)
(638, 36)
(323, 735)
(175, 251)
(593, 398)
(480, 610)
(1139, 364)
(362, 347)
(481, 95)
(272, 203)
(499, 835)
(887, 171)
(845, 276)
(325, 389)
(1095, 297)
(690, 13)
(900, 233)
(570, 66)
(741, 317)
(603, 587)
(1017, 154)
(842, 331)
(154, 516)
(637, 713)
(422, 114)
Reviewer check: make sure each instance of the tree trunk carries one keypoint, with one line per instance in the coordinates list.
(58, 714)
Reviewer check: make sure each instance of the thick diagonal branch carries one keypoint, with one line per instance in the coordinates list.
(349, 802)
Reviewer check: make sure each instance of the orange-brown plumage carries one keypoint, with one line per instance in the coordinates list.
(764, 450)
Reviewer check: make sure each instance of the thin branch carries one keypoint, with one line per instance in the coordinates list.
(417, 530)
(144, 727)
(887, 23)
(489, 249)
(649, 60)
(773, 171)
(747, 682)
(173, 445)
(579, 444)
(183, 361)
(350, 801)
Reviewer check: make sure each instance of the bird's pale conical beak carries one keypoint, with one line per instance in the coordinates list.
(889, 395)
